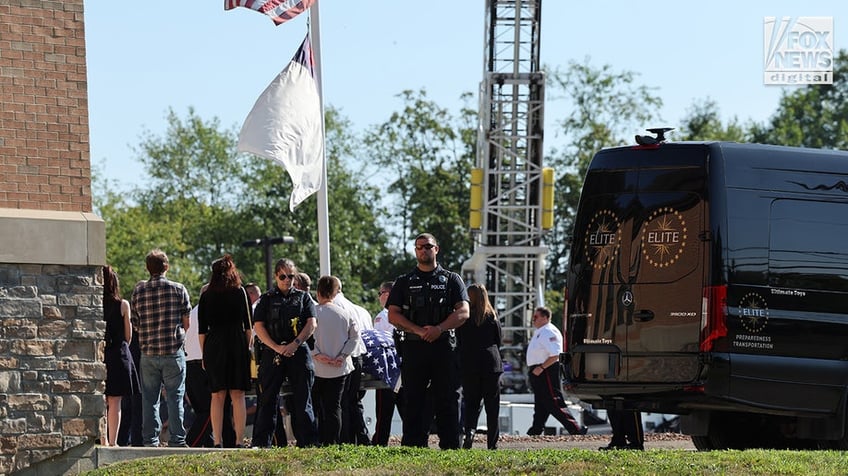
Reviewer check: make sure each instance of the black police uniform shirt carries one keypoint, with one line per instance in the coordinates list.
(284, 315)
(427, 298)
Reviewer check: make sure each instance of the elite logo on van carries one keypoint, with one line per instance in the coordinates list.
(664, 237)
(603, 238)
(753, 312)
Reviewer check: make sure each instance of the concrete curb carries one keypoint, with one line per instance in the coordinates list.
(106, 455)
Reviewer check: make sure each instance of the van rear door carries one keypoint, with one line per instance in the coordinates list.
(637, 270)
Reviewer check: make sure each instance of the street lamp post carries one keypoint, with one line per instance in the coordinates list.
(266, 244)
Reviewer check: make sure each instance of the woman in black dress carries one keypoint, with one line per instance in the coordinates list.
(224, 317)
(121, 375)
(479, 346)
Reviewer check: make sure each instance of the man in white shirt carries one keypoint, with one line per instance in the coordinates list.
(381, 320)
(543, 361)
(385, 399)
(253, 293)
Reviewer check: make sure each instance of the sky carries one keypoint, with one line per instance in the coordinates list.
(146, 59)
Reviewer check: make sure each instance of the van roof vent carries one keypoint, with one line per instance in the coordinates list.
(659, 139)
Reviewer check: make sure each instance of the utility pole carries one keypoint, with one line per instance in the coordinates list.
(266, 244)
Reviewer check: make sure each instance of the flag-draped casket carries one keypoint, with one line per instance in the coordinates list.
(381, 360)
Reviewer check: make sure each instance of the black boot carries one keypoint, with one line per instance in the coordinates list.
(492, 439)
(469, 440)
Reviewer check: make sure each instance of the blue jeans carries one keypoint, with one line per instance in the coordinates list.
(156, 371)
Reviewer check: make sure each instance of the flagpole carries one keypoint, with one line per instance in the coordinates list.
(323, 210)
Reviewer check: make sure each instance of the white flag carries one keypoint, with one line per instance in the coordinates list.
(286, 125)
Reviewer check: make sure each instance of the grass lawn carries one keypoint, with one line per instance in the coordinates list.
(359, 460)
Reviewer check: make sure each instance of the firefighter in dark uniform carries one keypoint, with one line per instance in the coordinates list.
(284, 320)
(427, 305)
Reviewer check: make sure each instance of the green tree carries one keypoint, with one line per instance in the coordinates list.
(192, 193)
(357, 242)
(815, 115)
(703, 122)
(607, 107)
(186, 205)
(130, 233)
(429, 153)
(201, 199)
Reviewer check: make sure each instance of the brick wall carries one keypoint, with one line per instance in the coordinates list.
(44, 148)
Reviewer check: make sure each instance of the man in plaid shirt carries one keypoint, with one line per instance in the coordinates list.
(160, 313)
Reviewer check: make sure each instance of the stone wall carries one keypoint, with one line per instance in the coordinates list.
(51, 378)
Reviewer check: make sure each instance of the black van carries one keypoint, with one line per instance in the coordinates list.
(710, 280)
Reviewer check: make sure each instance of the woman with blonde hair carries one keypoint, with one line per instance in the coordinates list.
(223, 317)
(479, 349)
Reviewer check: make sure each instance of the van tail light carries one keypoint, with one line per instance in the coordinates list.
(713, 316)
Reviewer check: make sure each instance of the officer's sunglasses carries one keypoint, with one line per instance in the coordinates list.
(282, 277)
(428, 246)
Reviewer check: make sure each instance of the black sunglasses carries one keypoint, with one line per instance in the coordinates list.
(428, 246)
(284, 276)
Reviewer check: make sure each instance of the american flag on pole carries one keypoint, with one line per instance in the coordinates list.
(280, 11)
(286, 125)
(381, 359)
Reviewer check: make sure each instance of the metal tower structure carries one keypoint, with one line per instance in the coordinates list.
(509, 251)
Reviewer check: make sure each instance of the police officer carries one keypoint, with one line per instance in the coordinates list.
(284, 320)
(427, 305)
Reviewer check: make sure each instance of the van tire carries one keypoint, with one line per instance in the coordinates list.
(740, 430)
(702, 443)
(726, 433)
(840, 444)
